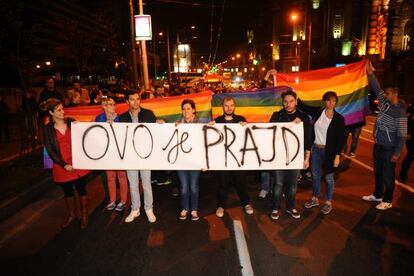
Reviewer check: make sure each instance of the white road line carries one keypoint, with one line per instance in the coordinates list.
(362, 164)
(244, 256)
(366, 139)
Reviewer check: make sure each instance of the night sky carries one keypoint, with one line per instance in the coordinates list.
(179, 14)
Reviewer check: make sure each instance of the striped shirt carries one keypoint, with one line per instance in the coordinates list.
(391, 126)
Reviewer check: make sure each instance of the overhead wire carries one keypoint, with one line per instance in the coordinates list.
(211, 30)
(219, 32)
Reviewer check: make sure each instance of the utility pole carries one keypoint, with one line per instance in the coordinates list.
(133, 52)
(169, 55)
(144, 54)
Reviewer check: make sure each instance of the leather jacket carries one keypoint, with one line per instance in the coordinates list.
(51, 142)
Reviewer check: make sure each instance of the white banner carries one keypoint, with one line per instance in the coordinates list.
(126, 146)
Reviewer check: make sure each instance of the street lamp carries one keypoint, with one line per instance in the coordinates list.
(48, 63)
(294, 18)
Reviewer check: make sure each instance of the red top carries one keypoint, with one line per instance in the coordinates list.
(61, 175)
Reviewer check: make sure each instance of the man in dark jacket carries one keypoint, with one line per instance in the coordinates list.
(227, 177)
(290, 113)
(137, 114)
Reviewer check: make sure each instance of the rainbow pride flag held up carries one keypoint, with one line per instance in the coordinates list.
(350, 83)
(168, 108)
(255, 106)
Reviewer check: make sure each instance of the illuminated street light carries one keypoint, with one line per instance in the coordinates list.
(294, 17)
(48, 63)
(193, 27)
(238, 55)
(38, 66)
(160, 33)
(233, 58)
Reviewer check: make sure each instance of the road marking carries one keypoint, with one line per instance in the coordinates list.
(367, 130)
(362, 164)
(366, 139)
(244, 256)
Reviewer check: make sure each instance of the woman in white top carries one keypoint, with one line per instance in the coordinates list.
(329, 140)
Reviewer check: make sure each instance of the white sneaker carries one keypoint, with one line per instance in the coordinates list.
(384, 206)
(132, 215)
(263, 194)
(248, 209)
(220, 212)
(371, 198)
(150, 215)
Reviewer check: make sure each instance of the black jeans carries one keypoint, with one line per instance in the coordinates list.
(226, 179)
(384, 171)
(405, 166)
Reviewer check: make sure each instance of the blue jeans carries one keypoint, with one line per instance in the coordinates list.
(189, 189)
(291, 178)
(384, 171)
(318, 156)
(266, 180)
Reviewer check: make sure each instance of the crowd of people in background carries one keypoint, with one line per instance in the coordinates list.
(325, 140)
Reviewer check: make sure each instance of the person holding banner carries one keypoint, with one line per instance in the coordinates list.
(290, 113)
(189, 180)
(58, 144)
(137, 114)
(109, 116)
(227, 177)
(328, 143)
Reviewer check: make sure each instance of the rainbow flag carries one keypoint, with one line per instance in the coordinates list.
(350, 83)
(255, 106)
(168, 108)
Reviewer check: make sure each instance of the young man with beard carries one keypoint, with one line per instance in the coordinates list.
(227, 178)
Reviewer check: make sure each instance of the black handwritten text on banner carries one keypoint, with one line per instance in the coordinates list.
(187, 146)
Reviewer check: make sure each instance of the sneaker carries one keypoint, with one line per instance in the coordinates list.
(384, 206)
(371, 198)
(194, 216)
(166, 182)
(263, 193)
(150, 215)
(175, 192)
(326, 208)
(132, 215)
(248, 209)
(220, 212)
(120, 207)
(294, 213)
(312, 203)
(111, 206)
(183, 215)
(352, 155)
(274, 215)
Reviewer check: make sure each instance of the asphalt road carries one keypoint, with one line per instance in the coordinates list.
(354, 239)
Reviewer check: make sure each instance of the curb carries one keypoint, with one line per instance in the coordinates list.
(11, 206)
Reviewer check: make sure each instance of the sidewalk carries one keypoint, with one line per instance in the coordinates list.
(21, 171)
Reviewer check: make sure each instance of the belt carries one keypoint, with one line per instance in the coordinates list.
(319, 146)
